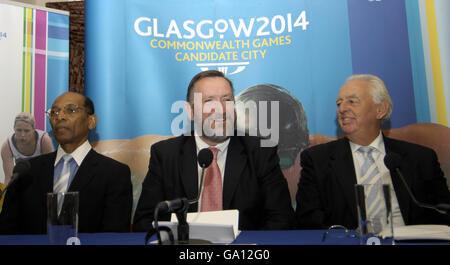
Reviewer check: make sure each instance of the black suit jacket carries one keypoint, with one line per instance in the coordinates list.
(326, 193)
(105, 196)
(253, 183)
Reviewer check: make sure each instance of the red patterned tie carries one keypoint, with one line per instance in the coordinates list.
(212, 188)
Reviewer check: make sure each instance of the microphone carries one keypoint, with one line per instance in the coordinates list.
(392, 161)
(172, 206)
(180, 206)
(21, 168)
(205, 157)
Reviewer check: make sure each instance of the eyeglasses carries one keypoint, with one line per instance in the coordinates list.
(337, 231)
(69, 110)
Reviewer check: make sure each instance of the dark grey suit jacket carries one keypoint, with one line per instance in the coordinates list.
(105, 196)
(253, 183)
(326, 193)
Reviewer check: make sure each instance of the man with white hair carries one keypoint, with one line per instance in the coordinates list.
(330, 171)
(25, 143)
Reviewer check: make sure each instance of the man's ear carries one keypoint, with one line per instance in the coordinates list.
(382, 110)
(189, 110)
(92, 121)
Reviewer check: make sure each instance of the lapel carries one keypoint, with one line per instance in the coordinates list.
(188, 169)
(85, 172)
(235, 162)
(47, 172)
(401, 192)
(343, 169)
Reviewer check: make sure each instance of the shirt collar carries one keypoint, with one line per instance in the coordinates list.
(78, 155)
(377, 144)
(201, 144)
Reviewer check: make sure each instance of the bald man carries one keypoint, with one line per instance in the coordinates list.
(103, 184)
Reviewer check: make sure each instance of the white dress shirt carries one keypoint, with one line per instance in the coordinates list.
(78, 155)
(378, 155)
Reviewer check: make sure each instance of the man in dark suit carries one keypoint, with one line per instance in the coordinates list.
(253, 182)
(103, 184)
(326, 193)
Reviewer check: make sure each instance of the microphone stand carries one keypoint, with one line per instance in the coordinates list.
(420, 204)
(183, 231)
(157, 229)
(392, 162)
(181, 212)
(22, 167)
(183, 226)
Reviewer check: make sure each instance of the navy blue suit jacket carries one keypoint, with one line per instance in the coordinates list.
(105, 196)
(326, 193)
(253, 183)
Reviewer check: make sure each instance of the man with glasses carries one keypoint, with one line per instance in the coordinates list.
(103, 184)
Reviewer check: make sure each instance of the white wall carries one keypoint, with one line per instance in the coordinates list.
(41, 2)
(10, 71)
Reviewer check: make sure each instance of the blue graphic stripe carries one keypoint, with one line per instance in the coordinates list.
(380, 46)
(58, 20)
(58, 32)
(56, 45)
(319, 49)
(106, 60)
(58, 80)
(418, 61)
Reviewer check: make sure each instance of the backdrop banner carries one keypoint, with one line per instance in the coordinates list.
(141, 55)
(34, 62)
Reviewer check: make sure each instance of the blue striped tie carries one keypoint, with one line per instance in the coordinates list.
(369, 174)
(61, 183)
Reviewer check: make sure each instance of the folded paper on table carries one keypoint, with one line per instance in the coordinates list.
(225, 217)
(216, 226)
(422, 232)
(217, 234)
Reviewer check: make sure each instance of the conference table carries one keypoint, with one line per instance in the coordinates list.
(285, 237)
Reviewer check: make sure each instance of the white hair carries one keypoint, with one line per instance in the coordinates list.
(378, 90)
